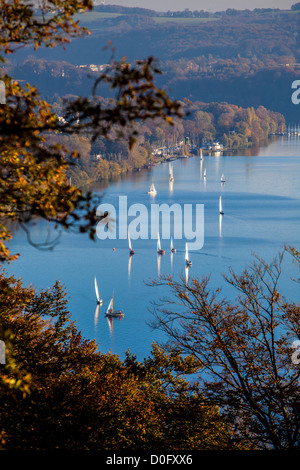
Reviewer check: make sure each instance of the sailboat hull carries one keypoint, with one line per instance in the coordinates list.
(152, 190)
(114, 314)
(110, 312)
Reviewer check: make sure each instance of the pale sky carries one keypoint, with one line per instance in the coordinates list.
(208, 5)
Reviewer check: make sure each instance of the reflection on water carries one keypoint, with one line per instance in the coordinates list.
(110, 322)
(187, 274)
(158, 263)
(96, 316)
(220, 225)
(129, 266)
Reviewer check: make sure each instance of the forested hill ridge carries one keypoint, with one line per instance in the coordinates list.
(248, 58)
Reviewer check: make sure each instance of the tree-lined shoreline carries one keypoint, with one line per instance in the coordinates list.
(234, 127)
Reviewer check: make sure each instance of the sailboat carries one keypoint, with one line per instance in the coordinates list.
(99, 301)
(110, 309)
(173, 250)
(223, 178)
(220, 206)
(152, 190)
(187, 261)
(171, 176)
(159, 250)
(131, 251)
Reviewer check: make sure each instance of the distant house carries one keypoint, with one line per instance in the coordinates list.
(96, 156)
(94, 67)
(212, 146)
(61, 119)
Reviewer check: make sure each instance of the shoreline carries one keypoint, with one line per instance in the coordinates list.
(169, 158)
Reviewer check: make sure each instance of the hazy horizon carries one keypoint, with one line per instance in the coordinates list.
(209, 5)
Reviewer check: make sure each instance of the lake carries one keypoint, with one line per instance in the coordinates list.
(261, 213)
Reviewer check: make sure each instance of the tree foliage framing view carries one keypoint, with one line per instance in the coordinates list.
(245, 349)
(33, 174)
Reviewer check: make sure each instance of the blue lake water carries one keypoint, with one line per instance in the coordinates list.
(261, 201)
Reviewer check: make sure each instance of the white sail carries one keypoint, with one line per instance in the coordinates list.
(129, 242)
(111, 304)
(201, 154)
(223, 178)
(109, 308)
(171, 177)
(96, 289)
(112, 301)
(152, 189)
(158, 243)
